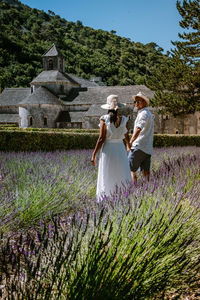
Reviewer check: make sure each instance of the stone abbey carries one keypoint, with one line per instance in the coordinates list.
(56, 99)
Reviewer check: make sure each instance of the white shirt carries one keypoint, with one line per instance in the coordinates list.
(144, 121)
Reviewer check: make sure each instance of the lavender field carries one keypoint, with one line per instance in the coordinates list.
(58, 242)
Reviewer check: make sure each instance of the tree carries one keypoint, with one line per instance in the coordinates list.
(189, 47)
(176, 82)
(51, 13)
(87, 51)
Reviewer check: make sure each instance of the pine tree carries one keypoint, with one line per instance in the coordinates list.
(175, 87)
(177, 81)
(189, 47)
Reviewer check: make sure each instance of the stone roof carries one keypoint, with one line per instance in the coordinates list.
(72, 116)
(99, 94)
(41, 96)
(83, 82)
(12, 96)
(9, 118)
(54, 76)
(95, 110)
(52, 52)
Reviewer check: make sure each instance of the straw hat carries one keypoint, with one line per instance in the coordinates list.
(112, 103)
(142, 96)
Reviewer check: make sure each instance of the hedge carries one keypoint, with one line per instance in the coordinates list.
(23, 140)
(30, 129)
(45, 141)
(173, 140)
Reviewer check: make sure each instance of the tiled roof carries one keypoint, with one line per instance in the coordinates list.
(54, 76)
(9, 118)
(41, 96)
(52, 51)
(12, 96)
(83, 82)
(95, 110)
(99, 94)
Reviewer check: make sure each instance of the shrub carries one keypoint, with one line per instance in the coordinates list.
(35, 139)
(45, 141)
(167, 140)
(140, 243)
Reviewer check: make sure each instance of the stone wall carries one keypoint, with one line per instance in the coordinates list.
(93, 121)
(69, 125)
(39, 116)
(197, 115)
(53, 63)
(188, 124)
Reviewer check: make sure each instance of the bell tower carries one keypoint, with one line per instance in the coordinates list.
(53, 60)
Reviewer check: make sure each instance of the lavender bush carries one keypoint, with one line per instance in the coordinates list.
(36, 185)
(140, 243)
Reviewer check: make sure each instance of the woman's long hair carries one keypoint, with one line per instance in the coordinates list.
(113, 115)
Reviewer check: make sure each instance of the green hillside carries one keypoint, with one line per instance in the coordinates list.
(26, 34)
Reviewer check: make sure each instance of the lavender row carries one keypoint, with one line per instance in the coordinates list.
(140, 243)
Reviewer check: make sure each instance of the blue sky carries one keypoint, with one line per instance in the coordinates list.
(142, 21)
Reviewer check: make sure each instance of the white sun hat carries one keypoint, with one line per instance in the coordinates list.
(112, 103)
(141, 95)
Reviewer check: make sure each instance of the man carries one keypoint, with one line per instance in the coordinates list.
(141, 142)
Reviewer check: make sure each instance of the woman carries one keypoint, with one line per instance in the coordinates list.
(114, 170)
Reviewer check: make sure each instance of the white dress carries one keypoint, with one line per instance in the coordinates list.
(113, 171)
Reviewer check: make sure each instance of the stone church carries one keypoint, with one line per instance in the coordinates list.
(56, 99)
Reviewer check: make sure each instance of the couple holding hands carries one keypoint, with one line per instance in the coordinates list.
(116, 169)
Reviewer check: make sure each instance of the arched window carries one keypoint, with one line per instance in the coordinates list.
(45, 121)
(30, 121)
(50, 64)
